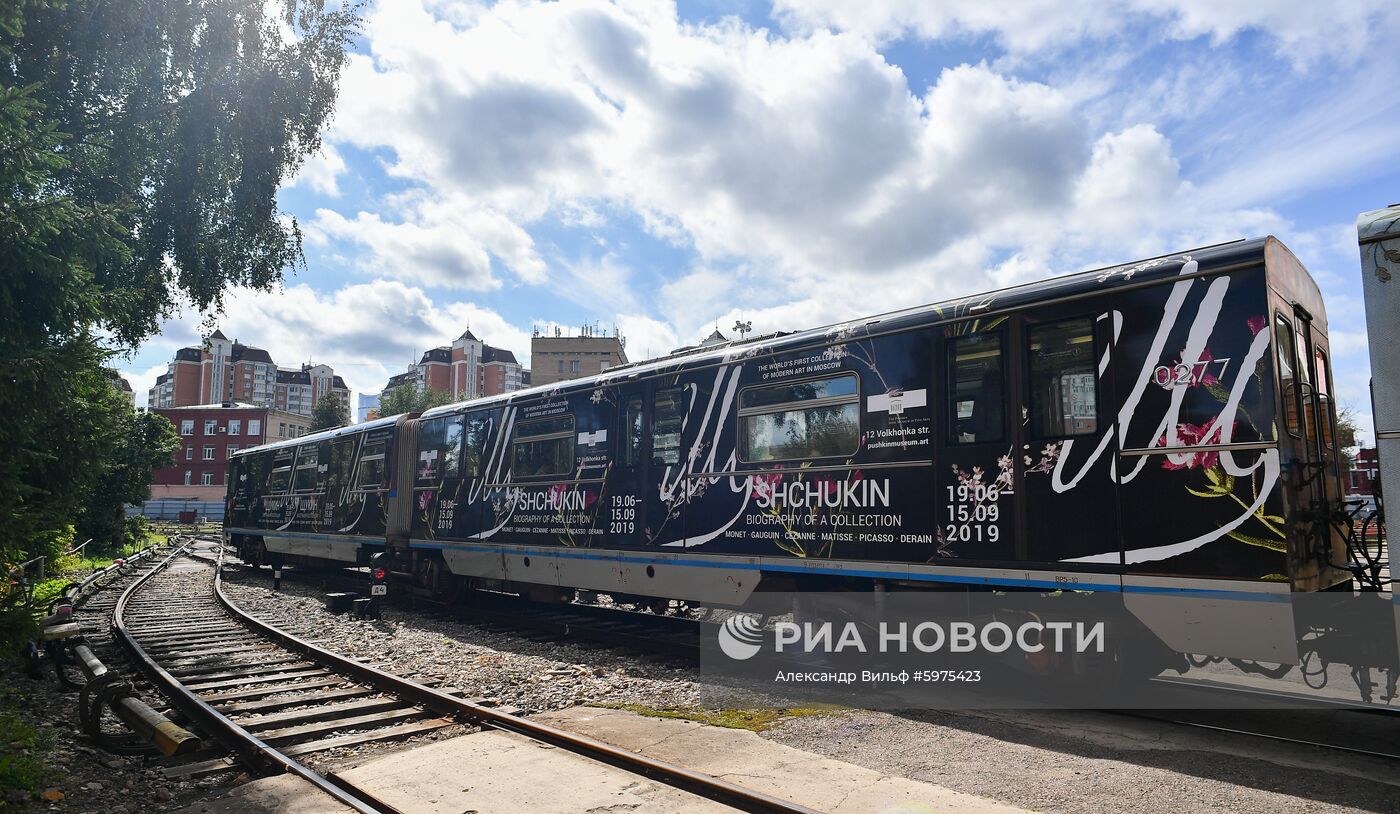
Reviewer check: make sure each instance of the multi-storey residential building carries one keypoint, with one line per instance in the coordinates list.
(559, 358)
(365, 404)
(227, 370)
(209, 433)
(466, 369)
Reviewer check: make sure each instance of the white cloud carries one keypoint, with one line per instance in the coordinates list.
(366, 332)
(320, 171)
(1301, 30)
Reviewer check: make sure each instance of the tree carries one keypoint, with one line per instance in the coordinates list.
(142, 144)
(1347, 428)
(143, 443)
(330, 411)
(407, 398)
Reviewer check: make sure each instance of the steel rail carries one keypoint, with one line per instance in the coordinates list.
(698, 783)
(249, 749)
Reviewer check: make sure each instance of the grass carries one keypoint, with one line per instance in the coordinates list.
(755, 720)
(24, 751)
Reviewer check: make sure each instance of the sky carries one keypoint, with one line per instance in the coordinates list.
(665, 169)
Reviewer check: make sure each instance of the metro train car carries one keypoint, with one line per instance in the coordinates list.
(1154, 429)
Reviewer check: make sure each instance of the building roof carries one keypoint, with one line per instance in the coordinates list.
(124, 384)
(163, 378)
(468, 335)
(227, 405)
(490, 354)
(293, 376)
(248, 353)
(411, 377)
(218, 334)
(336, 381)
(442, 354)
(188, 355)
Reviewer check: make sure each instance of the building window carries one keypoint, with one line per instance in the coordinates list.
(975, 403)
(812, 419)
(235, 426)
(206, 479)
(1064, 393)
(282, 429)
(188, 475)
(208, 453)
(254, 427)
(574, 366)
(544, 447)
(232, 448)
(210, 426)
(187, 427)
(561, 365)
(189, 453)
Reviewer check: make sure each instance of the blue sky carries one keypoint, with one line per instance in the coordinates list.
(667, 169)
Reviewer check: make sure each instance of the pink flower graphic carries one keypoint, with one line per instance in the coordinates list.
(1257, 324)
(1190, 435)
(764, 485)
(425, 499)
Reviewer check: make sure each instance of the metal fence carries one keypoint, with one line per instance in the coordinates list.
(179, 510)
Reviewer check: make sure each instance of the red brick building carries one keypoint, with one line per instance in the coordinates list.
(466, 369)
(1361, 480)
(226, 370)
(209, 434)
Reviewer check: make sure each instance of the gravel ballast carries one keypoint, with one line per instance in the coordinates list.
(1066, 761)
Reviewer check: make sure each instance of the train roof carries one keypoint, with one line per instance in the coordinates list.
(324, 435)
(1210, 259)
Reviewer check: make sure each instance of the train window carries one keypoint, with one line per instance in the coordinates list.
(544, 447)
(1064, 391)
(372, 470)
(1324, 395)
(308, 461)
(281, 476)
(342, 462)
(667, 421)
(815, 419)
(1287, 360)
(976, 403)
(256, 467)
(440, 448)
(478, 426)
(633, 433)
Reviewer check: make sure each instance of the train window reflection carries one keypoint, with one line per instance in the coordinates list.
(1324, 397)
(1286, 360)
(281, 476)
(342, 462)
(371, 475)
(544, 447)
(308, 461)
(815, 419)
(478, 426)
(1064, 392)
(633, 433)
(667, 419)
(976, 400)
(439, 448)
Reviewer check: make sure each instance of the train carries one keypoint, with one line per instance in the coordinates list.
(1156, 429)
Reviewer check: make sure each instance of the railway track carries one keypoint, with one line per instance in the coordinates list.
(1373, 732)
(272, 699)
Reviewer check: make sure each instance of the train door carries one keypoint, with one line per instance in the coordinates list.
(1065, 495)
(625, 512)
(976, 484)
(1305, 387)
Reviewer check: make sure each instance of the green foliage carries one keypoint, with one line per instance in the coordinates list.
(329, 411)
(142, 144)
(407, 398)
(23, 752)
